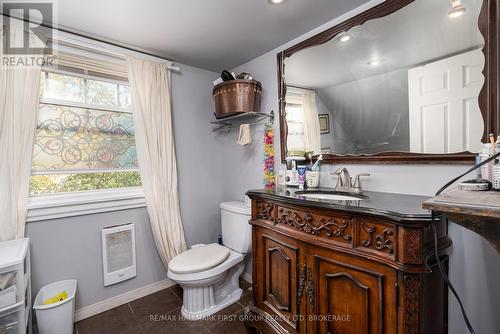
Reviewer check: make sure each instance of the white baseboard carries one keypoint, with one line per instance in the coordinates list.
(102, 306)
(247, 277)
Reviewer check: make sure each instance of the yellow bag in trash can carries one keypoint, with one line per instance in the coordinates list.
(57, 298)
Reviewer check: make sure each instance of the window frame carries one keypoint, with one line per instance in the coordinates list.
(48, 206)
(296, 102)
(78, 203)
(84, 104)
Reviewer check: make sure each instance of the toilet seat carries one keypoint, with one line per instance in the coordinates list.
(198, 259)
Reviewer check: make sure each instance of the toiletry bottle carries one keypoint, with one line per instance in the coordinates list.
(302, 176)
(486, 170)
(496, 177)
(478, 161)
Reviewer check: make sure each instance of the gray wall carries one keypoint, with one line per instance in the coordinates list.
(71, 247)
(198, 156)
(336, 135)
(474, 266)
(373, 109)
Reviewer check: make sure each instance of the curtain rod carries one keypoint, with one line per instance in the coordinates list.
(303, 88)
(174, 68)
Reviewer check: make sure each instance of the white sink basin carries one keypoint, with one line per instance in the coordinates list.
(332, 197)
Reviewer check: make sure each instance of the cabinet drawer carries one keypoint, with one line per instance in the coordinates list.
(337, 229)
(12, 320)
(11, 288)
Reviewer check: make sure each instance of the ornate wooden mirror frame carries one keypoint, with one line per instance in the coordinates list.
(489, 98)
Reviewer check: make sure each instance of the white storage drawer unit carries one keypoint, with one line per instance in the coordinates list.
(12, 320)
(15, 287)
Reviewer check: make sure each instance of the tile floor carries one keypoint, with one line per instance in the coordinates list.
(134, 317)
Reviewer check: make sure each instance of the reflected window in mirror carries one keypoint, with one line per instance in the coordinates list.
(303, 122)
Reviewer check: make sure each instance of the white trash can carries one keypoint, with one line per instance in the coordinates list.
(56, 318)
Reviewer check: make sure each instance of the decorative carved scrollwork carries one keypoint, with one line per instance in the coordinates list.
(265, 211)
(290, 218)
(310, 288)
(381, 242)
(302, 283)
(412, 287)
(308, 225)
(306, 283)
(413, 246)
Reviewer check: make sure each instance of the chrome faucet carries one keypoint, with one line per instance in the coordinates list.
(344, 181)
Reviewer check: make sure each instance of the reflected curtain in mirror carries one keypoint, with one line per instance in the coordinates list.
(303, 120)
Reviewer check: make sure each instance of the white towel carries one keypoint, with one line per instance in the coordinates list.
(244, 137)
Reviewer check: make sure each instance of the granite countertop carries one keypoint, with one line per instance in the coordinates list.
(398, 207)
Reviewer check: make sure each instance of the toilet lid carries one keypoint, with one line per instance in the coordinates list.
(199, 259)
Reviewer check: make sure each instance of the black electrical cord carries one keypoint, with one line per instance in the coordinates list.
(482, 163)
(435, 220)
(445, 276)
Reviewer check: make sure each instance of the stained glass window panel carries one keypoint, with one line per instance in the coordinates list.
(78, 139)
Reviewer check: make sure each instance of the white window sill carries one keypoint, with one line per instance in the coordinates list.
(83, 203)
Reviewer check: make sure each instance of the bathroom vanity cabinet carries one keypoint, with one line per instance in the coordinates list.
(340, 267)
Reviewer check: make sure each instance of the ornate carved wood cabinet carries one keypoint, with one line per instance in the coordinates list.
(321, 270)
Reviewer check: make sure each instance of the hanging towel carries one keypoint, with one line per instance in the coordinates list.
(244, 137)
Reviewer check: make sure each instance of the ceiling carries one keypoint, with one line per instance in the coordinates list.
(416, 34)
(211, 34)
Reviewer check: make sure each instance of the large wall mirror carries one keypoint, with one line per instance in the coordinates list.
(412, 81)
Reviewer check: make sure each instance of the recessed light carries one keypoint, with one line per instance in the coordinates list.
(456, 9)
(275, 2)
(375, 62)
(344, 37)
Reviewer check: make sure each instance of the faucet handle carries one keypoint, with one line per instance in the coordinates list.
(339, 184)
(340, 170)
(357, 181)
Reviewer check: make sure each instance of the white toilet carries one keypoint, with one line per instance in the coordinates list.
(209, 274)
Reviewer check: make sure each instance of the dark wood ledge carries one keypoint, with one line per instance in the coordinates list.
(478, 211)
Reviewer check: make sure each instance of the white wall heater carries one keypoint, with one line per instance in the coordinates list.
(118, 253)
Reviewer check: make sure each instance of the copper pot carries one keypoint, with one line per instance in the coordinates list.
(237, 96)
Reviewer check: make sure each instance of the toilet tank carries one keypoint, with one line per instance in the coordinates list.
(236, 231)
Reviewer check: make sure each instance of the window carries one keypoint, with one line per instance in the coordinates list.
(295, 124)
(85, 137)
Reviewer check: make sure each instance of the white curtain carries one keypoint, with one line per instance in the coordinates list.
(312, 135)
(151, 107)
(19, 91)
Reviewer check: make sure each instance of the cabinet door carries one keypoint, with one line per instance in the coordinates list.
(279, 263)
(348, 295)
